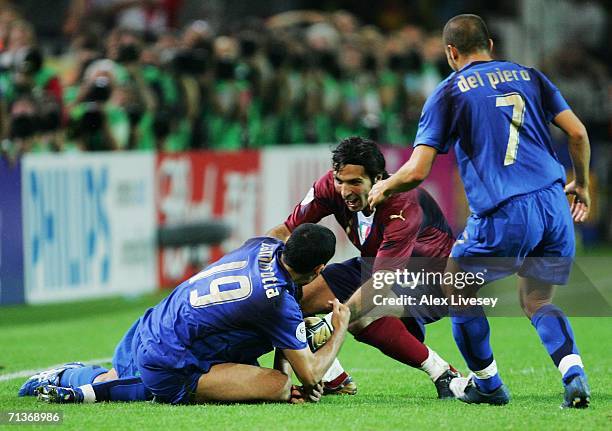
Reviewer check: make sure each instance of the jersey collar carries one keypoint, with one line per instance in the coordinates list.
(474, 63)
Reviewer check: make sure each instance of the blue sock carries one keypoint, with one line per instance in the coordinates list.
(557, 337)
(75, 377)
(128, 389)
(471, 333)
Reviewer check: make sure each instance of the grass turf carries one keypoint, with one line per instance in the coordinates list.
(391, 396)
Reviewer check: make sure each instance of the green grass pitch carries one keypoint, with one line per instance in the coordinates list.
(391, 396)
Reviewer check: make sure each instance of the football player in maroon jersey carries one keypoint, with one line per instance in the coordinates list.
(406, 226)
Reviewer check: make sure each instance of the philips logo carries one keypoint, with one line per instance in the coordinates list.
(67, 226)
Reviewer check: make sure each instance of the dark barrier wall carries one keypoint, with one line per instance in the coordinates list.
(11, 243)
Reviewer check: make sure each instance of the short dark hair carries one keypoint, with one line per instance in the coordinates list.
(309, 246)
(360, 151)
(468, 33)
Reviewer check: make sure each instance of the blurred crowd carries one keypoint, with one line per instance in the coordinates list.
(129, 79)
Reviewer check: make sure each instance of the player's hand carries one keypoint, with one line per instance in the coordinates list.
(300, 395)
(341, 315)
(378, 194)
(581, 202)
(314, 394)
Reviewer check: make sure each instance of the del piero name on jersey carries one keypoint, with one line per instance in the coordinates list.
(470, 81)
(433, 300)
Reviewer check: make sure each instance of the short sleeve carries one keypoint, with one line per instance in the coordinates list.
(316, 205)
(399, 239)
(434, 125)
(553, 101)
(283, 324)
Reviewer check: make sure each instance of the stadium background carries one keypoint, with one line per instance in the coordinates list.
(229, 114)
(122, 117)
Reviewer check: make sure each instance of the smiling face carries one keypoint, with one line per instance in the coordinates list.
(352, 182)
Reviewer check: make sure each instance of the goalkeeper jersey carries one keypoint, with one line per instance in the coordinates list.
(407, 225)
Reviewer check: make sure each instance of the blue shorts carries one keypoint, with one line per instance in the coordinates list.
(167, 385)
(170, 386)
(346, 277)
(124, 359)
(531, 234)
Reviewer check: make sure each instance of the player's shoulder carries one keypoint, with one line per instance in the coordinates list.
(253, 252)
(326, 180)
(254, 245)
(442, 93)
(398, 206)
(261, 239)
(532, 72)
(445, 85)
(520, 66)
(272, 283)
(324, 188)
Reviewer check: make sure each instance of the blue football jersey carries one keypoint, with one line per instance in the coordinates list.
(235, 310)
(496, 114)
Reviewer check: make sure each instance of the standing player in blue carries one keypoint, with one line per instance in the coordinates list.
(496, 114)
(202, 342)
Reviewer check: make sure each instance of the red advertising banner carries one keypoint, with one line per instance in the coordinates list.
(253, 191)
(198, 186)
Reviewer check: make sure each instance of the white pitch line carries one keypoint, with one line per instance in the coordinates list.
(31, 372)
(28, 373)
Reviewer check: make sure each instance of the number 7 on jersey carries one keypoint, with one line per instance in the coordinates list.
(518, 112)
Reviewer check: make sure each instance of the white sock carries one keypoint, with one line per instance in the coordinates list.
(569, 361)
(328, 319)
(89, 396)
(334, 371)
(488, 372)
(434, 365)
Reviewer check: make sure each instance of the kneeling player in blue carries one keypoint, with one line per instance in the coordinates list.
(496, 114)
(202, 342)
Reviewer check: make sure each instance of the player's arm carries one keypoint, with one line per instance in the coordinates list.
(311, 367)
(281, 232)
(314, 207)
(408, 177)
(281, 363)
(414, 171)
(580, 153)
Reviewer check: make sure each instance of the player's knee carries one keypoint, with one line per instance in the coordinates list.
(359, 325)
(450, 290)
(531, 305)
(313, 304)
(308, 306)
(526, 310)
(308, 302)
